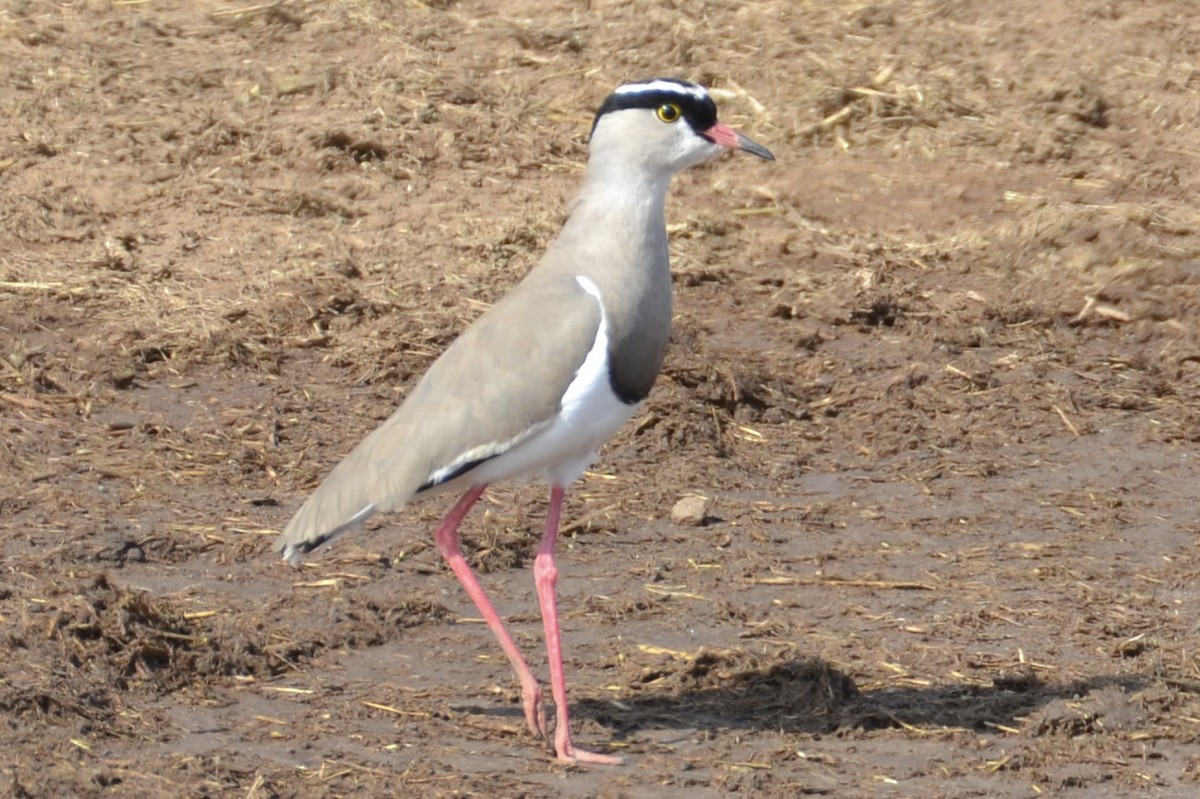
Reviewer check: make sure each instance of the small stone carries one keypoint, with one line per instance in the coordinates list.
(691, 511)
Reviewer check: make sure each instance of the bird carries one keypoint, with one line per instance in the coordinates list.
(536, 384)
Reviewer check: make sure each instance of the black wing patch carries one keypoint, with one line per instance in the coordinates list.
(458, 471)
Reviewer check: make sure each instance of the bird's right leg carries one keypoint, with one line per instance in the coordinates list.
(448, 545)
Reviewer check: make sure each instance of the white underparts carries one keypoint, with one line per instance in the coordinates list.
(590, 412)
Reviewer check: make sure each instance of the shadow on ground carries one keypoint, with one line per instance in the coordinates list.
(810, 696)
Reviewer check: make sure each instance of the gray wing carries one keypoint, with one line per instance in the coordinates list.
(500, 382)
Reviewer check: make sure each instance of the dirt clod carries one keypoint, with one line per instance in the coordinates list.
(691, 511)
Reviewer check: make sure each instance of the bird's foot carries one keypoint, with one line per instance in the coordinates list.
(535, 709)
(569, 754)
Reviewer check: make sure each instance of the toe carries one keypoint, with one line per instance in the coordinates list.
(573, 755)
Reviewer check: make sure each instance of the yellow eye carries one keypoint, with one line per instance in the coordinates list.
(669, 112)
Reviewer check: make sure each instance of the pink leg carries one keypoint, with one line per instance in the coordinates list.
(545, 575)
(447, 541)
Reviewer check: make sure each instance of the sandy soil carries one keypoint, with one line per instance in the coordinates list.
(937, 368)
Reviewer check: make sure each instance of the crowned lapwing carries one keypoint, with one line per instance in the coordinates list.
(537, 383)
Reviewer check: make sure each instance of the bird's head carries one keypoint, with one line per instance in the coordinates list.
(664, 125)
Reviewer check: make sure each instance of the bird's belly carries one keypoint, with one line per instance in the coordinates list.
(589, 413)
(566, 447)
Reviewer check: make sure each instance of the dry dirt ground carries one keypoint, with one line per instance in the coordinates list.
(937, 369)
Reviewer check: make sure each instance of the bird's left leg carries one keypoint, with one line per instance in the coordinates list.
(447, 541)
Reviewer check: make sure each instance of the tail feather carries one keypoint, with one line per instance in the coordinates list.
(294, 546)
(372, 479)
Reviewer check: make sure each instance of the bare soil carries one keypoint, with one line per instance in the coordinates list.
(937, 370)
